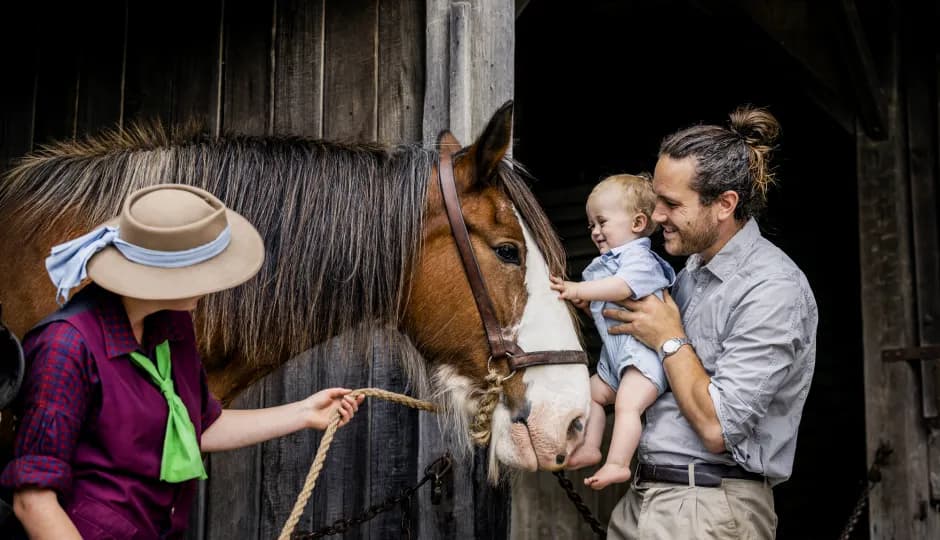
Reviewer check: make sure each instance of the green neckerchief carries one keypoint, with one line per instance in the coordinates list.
(181, 457)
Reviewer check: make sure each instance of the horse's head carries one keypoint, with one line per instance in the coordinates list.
(542, 409)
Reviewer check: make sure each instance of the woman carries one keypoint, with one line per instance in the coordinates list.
(116, 410)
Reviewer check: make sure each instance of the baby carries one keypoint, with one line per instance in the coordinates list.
(629, 374)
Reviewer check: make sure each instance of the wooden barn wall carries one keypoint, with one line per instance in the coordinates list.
(338, 69)
(900, 256)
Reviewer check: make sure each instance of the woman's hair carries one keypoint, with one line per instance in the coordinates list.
(736, 158)
(636, 195)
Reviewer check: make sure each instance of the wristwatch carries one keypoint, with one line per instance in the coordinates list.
(672, 345)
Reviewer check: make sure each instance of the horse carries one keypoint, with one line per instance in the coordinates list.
(357, 238)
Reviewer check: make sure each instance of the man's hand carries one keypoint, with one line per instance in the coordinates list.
(648, 319)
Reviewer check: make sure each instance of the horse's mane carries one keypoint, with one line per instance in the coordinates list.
(326, 272)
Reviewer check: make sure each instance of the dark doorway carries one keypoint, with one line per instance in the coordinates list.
(599, 84)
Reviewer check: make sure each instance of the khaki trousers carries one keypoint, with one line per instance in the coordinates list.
(738, 509)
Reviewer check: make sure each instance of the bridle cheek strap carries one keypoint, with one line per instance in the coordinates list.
(499, 348)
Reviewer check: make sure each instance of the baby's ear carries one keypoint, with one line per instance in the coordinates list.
(640, 221)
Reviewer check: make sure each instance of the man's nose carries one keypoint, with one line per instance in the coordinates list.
(659, 215)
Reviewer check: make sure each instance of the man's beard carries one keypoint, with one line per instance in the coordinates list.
(702, 235)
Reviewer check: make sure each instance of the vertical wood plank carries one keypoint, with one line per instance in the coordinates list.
(437, 68)
(173, 63)
(298, 68)
(393, 440)
(286, 460)
(344, 482)
(17, 93)
(58, 83)
(921, 104)
(234, 495)
(493, 39)
(349, 99)
(438, 522)
(401, 65)
(101, 63)
(247, 99)
(891, 416)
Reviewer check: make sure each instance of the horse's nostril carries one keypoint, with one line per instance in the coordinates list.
(576, 427)
(560, 459)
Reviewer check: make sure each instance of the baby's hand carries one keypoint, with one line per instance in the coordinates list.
(324, 404)
(568, 290)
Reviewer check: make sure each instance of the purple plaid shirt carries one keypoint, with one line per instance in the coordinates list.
(63, 392)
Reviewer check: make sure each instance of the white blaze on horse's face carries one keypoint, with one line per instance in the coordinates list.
(557, 396)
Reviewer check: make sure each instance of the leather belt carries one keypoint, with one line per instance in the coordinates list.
(704, 474)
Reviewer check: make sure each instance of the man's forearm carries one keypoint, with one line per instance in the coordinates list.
(689, 384)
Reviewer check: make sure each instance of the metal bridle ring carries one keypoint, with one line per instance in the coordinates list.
(489, 367)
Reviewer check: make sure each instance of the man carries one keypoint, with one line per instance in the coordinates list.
(740, 360)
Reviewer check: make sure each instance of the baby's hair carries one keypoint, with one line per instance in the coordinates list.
(636, 195)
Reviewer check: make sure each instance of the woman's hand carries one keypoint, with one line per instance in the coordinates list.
(648, 319)
(320, 408)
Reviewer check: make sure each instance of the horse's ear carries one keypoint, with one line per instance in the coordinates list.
(490, 149)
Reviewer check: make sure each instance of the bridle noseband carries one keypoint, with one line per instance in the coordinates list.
(500, 348)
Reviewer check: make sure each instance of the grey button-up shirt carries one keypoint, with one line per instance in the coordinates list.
(752, 319)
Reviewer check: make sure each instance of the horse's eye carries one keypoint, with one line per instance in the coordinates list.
(508, 253)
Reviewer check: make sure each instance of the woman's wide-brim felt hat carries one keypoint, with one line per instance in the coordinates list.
(176, 218)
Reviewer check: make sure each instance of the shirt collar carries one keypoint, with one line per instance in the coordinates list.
(116, 328)
(727, 261)
(643, 242)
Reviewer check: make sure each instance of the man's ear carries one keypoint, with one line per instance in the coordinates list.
(727, 203)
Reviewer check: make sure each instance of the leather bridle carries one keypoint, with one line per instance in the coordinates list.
(500, 348)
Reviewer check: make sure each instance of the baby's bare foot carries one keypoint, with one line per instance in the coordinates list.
(584, 457)
(608, 474)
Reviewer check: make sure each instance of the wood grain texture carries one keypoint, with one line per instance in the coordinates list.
(173, 80)
(285, 461)
(298, 68)
(247, 105)
(18, 92)
(100, 67)
(349, 105)
(401, 71)
(893, 417)
(57, 86)
(922, 120)
(235, 479)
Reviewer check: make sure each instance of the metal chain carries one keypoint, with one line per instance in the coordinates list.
(874, 476)
(435, 471)
(566, 484)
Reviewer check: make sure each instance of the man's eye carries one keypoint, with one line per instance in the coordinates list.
(508, 253)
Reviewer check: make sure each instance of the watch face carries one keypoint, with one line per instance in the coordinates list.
(671, 346)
